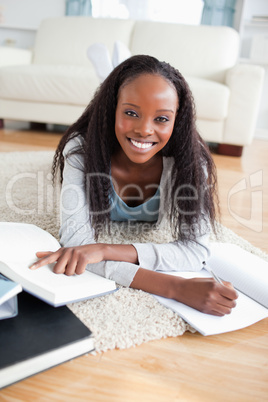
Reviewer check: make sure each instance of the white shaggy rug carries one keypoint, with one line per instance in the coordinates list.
(125, 318)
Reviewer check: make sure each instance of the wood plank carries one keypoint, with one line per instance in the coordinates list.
(28, 140)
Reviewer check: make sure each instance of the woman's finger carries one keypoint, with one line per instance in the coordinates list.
(41, 254)
(49, 258)
(71, 264)
(62, 261)
(81, 266)
(228, 291)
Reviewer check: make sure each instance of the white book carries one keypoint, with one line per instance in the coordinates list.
(249, 275)
(19, 244)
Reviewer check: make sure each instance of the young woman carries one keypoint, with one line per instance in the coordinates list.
(135, 155)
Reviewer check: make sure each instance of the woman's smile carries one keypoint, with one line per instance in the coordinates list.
(141, 145)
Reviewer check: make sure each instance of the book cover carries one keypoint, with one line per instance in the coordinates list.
(8, 297)
(38, 338)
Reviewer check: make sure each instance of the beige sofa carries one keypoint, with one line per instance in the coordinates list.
(57, 82)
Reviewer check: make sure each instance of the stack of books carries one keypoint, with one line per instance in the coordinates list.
(37, 329)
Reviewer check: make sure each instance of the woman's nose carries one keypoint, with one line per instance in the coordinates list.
(144, 128)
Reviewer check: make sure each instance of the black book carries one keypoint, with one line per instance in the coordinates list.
(38, 338)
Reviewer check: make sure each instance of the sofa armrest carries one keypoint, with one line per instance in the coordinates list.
(11, 56)
(245, 82)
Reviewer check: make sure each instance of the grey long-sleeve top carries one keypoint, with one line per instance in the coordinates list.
(76, 229)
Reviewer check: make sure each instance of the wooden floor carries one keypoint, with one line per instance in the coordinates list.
(226, 367)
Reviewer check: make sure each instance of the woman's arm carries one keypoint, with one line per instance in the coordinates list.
(203, 294)
(74, 260)
(174, 256)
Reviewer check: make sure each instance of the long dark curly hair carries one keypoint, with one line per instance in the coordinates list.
(194, 181)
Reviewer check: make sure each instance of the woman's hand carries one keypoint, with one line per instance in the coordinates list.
(203, 294)
(71, 260)
(207, 295)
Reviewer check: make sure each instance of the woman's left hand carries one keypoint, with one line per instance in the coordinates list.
(71, 260)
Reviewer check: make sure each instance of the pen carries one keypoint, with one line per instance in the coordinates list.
(212, 273)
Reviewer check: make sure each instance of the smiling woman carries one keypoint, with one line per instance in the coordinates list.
(135, 155)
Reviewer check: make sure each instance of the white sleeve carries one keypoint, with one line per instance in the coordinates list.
(75, 228)
(174, 256)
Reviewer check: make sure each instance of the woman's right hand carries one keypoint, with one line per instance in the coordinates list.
(71, 260)
(203, 294)
(206, 295)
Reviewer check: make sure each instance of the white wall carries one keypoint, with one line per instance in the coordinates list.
(250, 30)
(19, 19)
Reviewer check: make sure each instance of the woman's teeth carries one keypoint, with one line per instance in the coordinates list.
(142, 145)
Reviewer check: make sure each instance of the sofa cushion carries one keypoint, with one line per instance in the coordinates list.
(211, 98)
(199, 51)
(53, 84)
(10, 56)
(65, 40)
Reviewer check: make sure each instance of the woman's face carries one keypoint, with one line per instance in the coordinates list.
(145, 116)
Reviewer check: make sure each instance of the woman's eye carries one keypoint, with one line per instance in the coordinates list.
(162, 119)
(131, 113)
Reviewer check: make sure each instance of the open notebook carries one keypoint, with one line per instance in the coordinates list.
(248, 274)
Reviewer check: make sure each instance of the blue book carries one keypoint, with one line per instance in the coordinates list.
(8, 297)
